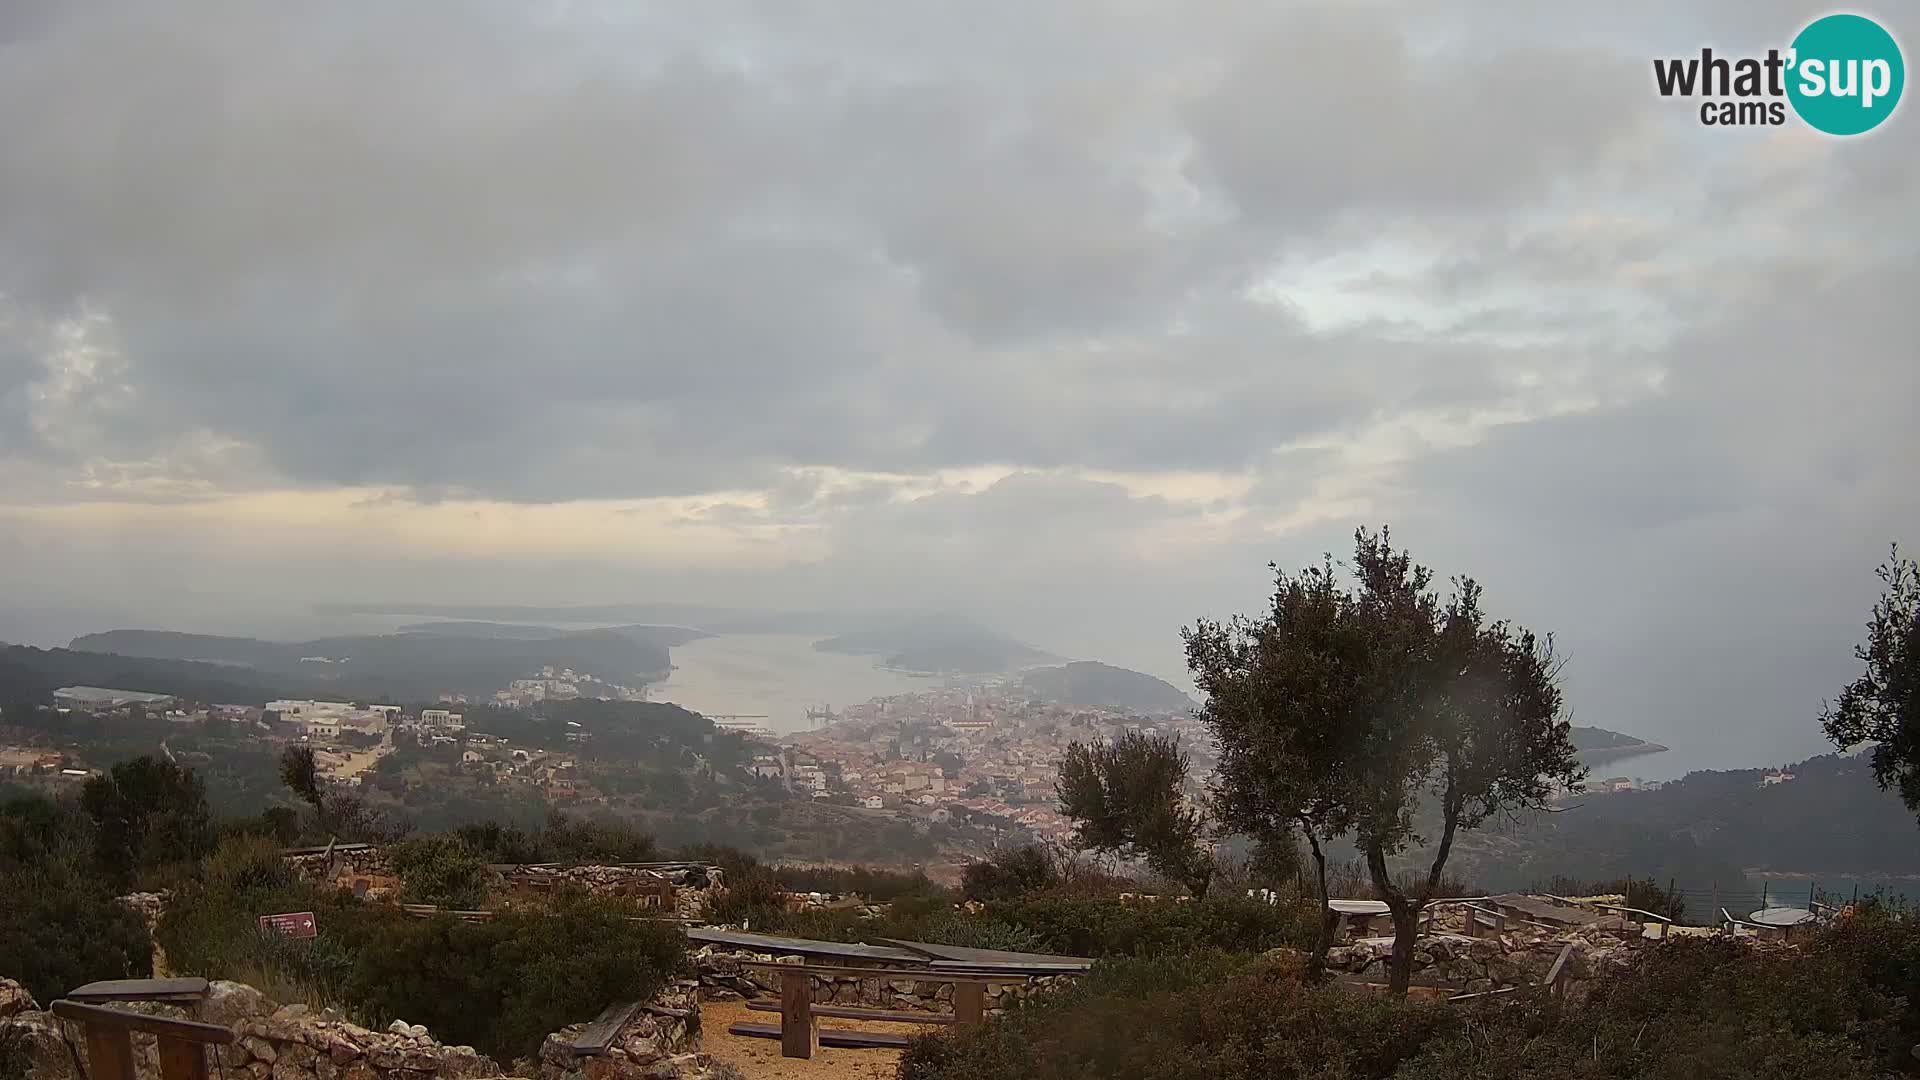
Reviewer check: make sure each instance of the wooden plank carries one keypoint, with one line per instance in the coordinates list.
(1556, 975)
(109, 1053)
(182, 1059)
(1502, 992)
(140, 990)
(920, 974)
(969, 1002)
(95, 1016)
(799, 1031)
(848, 1012)
(829, 1037)
(596, 1037)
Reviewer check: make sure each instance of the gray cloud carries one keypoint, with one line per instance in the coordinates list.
(1069, 316)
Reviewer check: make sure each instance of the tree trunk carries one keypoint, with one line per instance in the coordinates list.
(1317, 964)
(1406, 920)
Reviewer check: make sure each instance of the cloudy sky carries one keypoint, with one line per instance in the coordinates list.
(1070, 316)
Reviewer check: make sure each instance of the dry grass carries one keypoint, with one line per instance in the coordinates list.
(760, 1059)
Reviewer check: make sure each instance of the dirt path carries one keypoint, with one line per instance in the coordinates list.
(760, 1059)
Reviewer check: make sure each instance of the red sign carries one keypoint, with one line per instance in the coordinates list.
(297, 924)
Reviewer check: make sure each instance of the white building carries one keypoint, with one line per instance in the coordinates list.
(308, 709)
(873, 802)
(441, 720)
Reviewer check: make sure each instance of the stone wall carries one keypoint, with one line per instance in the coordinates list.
(1494, 962)
(662, 1040)
(294, 1042)
(723, 977)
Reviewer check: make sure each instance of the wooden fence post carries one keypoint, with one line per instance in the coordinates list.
(799, 1031)
(969, 1002)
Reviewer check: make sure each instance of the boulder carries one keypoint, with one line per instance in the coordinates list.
(228, 1003)
(14, 999)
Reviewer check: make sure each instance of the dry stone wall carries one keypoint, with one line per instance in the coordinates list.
(724, 976)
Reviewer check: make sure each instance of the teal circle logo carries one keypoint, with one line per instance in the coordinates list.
(1846, 74)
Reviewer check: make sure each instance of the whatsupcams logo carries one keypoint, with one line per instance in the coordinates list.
(1842, 75)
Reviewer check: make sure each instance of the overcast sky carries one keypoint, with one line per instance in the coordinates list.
(1070, 316)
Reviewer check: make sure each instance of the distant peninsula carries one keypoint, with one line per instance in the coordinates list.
(942, 645)
(1595, 745)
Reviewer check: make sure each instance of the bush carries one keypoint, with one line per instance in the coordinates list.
(1261, 1023)
(877, 885)
(1010, 873)
(1094, 927)
(60, 927)
(440, 869)
(1691, 1008)
(501, 985)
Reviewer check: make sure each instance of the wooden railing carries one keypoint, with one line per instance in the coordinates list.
(109, 1033)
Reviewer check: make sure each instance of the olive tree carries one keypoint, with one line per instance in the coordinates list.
(1882, 706)
(1368, 703)
(1128, 798)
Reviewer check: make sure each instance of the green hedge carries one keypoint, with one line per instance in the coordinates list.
(1102, 927)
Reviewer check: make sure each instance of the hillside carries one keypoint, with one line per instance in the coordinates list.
(942, 644)
(407, 665)
(1598, 744)
(29, 674)
(1090, 684)
(1830, 820)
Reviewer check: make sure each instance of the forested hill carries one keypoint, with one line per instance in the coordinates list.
(1829, 819)
(1090, 684)
(407, 666)
(31, 675)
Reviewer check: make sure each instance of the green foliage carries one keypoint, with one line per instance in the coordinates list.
(1351, 703)
(1127, 797)
(1263, 1023)
(874, 884)
(147, 812)
(1104, 927)
(1882, 706)
(503, 984)
(1010, 873)
(301, 774)
(60, 927)
(441, 869)
(1693, 1008)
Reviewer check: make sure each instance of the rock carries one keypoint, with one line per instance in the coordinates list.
(400, 1027)
(287, 1069)
(260, 1048)
(40, 1040)
(15, 999)
(228, 1003)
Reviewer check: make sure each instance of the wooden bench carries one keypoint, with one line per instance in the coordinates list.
(109, 1032)
(799, 1028)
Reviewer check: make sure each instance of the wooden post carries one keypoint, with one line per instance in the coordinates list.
(799, 1031)
(969, 1002)
(182, 1059)
(1473, 922)
(109, 1053)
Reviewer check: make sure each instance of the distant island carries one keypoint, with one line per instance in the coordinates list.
(1595, 745)
(1091, 684)
(939, 645)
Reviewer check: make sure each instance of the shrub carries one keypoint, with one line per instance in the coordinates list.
(878, 885)
(1261, 1023)
(1010, 873)
(60, 927)
(440, 869)
(503, 984)
(1096, 927)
